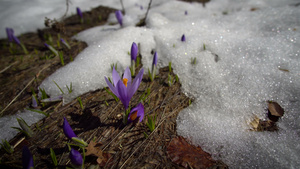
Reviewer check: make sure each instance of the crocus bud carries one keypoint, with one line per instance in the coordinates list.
(154, 64)
(119, 17)
(75, 157)
(155, 59)
(34, 102)
(183, 38)
(55, 52)
(17, 41)
(10, 33)
(134, 51)
(79, 13)
(185, 12)
(27, 159)
(68, 130)
(65, 43)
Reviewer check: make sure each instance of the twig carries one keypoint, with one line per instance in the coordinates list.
(23, 89)
(123, 9)
(3, 70)
(148, 9)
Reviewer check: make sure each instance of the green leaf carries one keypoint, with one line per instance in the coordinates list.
(53, 157)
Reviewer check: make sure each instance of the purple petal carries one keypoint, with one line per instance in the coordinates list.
(127, 75)
(183, 38)
(46, 45)
(53, 99)
(68, 130)
(79, 13)
(62, 40)
(133, 88)
(34, 102)
(16, 40)
(123, 94)
(119, 17)
(27, 159)
(140, 113)
(155, 59)
(139, 77)
(134, 51)
(115, 76)
(112, 88)
(75, 157)
(9, 33)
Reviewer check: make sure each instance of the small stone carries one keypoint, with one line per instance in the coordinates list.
(275, 109)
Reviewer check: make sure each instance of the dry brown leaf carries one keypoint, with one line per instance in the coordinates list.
(186, 155)
(95, 150)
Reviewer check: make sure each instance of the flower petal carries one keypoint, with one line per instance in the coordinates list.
(68, 130)
(133, 88)
(127, 75)
(140, 112)
(115, 76)
(112, 88)
(136, 83)
(134, 51)
(123, 94)
(27, 159)
(139, 77)
(75, 157)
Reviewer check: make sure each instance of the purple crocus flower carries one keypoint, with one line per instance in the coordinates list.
(136, 113)
(10, 33)
(34, 102)
(68, 130)
(79, 13)
(154, 59)
(16, 40)
(185, 12)
(183, 38)
(75, 157)
(119, 17)
(124, 88)
(134, 51)
(27, 159)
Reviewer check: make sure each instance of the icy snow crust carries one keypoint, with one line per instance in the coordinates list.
(249, 47)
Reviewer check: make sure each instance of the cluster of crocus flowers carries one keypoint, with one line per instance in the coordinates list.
(12, 38)
(133, 53)
(119, 17)
(27, 159)
(79, 13)
(183, 38)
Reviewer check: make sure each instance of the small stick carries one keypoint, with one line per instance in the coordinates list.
(3, 70)
(37, 75)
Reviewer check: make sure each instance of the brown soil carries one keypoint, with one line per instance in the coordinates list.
(100, 120)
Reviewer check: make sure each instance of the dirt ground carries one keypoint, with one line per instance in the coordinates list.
(99, 121)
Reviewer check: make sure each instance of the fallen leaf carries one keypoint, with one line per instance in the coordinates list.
(186, 155)
(95, 150)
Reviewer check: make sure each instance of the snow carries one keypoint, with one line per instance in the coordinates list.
(250, 46)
